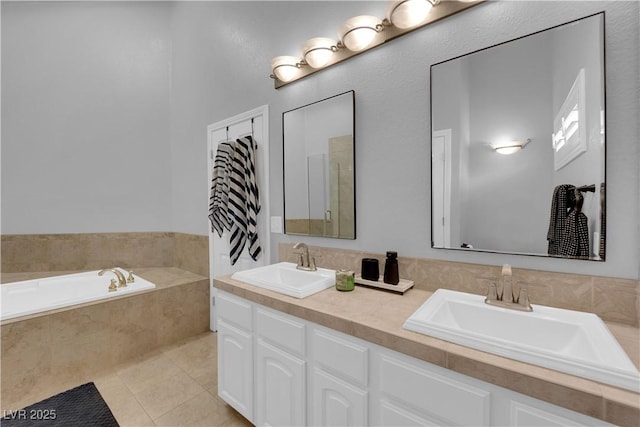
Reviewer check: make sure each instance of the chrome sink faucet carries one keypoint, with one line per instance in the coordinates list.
(122, 282)
(506, 299)
(305, 262)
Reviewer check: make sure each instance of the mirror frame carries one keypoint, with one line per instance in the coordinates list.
(602, 185)
(353, 145)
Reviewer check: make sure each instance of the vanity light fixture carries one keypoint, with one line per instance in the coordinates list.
(409, 13)
(510, 147)
(285, 68)
(361, 33)
(317, 52)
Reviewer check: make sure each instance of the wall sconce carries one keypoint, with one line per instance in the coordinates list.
(361, 33)
(510, 147)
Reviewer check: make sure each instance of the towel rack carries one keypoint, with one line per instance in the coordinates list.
(590, 188)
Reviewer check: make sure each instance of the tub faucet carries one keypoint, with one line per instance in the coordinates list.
(305, 262)
(507, 299)
(122, 282)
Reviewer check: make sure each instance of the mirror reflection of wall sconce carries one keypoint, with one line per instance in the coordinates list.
(509, 147)
(361, 33)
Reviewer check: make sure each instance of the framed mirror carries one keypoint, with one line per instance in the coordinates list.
(518, 145)
(319, 168)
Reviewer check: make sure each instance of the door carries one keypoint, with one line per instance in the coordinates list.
(254, 122)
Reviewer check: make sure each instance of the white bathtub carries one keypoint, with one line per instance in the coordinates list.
(34, 296)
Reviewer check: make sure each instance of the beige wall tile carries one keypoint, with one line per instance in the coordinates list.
(616, 299)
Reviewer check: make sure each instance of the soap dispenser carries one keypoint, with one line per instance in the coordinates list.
(391, 275)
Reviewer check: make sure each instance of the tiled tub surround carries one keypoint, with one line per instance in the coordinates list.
(90, 251)
(378, 316)
(67, 347)
(613, 299)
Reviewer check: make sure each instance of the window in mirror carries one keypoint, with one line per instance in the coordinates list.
(319, 168)
(544, 96)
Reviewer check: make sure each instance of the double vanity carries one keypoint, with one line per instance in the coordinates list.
(369, 357)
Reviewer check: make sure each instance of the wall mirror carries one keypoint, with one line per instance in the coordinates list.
(319, 168)
(518, 145)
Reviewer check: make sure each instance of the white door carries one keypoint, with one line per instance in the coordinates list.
(254, 122)
(441, 188)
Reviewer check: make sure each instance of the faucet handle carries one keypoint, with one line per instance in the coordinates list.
(492, 293)
(523, 298)
(113, 287)
(130, 278)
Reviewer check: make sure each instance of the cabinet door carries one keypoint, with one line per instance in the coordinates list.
(430, 393)
(281, 385)
(235, 368)
(336, 402)
(543, 414)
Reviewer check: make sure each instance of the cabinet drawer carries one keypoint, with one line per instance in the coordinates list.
(342, 356)
(234, 310)
(282, 330)
(436, 396)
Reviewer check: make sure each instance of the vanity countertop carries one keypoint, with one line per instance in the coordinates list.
(378, 316)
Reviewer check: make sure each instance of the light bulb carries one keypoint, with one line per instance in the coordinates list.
(318, 51)
(285, 68)
(408, 13)
(359, 32)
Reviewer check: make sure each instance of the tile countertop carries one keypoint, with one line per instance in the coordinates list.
(378, 316)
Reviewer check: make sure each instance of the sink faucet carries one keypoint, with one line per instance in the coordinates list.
(506, 299)
(305, 262)
(122, 282)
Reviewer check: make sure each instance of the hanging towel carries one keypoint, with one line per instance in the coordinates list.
(563, 199)
(218, 202)
(244, 200)
(575, 242)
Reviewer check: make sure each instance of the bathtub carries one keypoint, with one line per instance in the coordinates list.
(38, 295)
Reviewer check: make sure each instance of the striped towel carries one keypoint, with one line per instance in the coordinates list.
(218, 201)
(244, 200)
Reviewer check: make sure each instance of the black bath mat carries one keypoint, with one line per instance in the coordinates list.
(79, 407)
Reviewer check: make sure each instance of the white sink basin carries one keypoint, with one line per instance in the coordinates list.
(286, 279)
(569, 341)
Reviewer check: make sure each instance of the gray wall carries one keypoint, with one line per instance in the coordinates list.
(220, 54)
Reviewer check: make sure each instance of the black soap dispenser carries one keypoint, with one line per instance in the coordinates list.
(391, 275)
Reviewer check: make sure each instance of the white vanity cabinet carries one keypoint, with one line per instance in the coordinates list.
(413, 392)
(276, 369)
(339, 375)
(280, 369)
(235, 353)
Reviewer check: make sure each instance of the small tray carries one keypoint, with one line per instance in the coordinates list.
(402, 287)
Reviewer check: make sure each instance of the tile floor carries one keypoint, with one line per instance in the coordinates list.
(173, 386)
